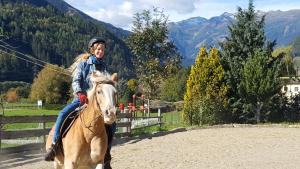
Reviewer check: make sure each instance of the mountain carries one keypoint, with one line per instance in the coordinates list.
(188, 35)
(282, 26)
(36, 31)
(64, 7)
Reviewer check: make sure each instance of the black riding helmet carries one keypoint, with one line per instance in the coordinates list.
(96, 40)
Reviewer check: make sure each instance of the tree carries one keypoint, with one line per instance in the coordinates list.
(205, 97)
(51, 85)
(286, 54)
(246, 36)
(154, 55)
(174, 87)
(260, 82)
(12, 96)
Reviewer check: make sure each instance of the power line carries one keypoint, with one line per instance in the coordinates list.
(34, 62)
(28, 56)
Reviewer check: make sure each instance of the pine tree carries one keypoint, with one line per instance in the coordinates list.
(205, 97)
(246, 36)
(260, 81)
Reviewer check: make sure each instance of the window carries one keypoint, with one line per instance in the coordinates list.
(296, 89)
(285, 88)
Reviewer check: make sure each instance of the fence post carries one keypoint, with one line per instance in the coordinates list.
(44, 127)
(148, 107)
(159, 119)
(0, 130)
(129, 119)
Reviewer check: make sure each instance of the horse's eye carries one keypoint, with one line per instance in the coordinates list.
(99, 92)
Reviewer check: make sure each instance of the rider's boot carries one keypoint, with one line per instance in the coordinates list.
(51, 152)
(107, 159)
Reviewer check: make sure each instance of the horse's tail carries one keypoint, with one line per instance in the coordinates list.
(77, 60)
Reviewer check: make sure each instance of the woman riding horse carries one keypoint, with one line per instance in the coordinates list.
(85, 144)
(92, 61)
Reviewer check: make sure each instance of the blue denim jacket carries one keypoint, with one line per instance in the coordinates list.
(81, 79)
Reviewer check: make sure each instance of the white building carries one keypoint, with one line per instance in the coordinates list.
(291, 86)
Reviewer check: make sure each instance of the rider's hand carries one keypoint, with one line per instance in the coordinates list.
(82, 97)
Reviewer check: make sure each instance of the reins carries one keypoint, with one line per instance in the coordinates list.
(90, 123)
(89, 126)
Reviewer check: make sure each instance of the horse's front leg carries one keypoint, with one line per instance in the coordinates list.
(57, 165)
(98, 150)
(69, 164)
(100, 166)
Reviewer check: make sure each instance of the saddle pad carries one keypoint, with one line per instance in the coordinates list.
(69, 120)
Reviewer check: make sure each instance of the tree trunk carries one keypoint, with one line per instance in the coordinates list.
(257, 110)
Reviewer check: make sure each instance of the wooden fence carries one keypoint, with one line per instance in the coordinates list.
(124, 122)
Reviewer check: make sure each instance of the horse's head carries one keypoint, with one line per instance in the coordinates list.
(105, 93)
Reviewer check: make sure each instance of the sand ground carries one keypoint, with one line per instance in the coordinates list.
(212, 148)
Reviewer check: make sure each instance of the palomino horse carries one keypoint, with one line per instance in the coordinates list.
(85, 143)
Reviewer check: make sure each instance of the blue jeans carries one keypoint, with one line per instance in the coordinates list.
(62, 116)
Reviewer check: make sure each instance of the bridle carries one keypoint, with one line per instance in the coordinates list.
(81, 114)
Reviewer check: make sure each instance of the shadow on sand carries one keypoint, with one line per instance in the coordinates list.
(17, 160)
(135, 139)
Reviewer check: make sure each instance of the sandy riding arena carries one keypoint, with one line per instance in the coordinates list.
(215, 148)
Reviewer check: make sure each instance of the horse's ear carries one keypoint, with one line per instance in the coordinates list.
(93, 77)
(114, 77)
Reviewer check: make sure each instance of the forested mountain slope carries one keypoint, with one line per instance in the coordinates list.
(38, 29)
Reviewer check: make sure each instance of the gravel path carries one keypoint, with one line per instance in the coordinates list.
(213, 148)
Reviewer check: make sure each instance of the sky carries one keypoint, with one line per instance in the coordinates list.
(120, 12)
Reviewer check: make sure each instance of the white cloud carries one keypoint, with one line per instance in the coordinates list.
(180, 6)
(121, 15)
(120, 12)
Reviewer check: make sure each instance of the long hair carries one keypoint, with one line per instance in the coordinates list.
(84, 56)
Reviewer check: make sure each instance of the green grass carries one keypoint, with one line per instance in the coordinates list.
(27, 112)
(147, 130)
(171, 120)
(25, 126)
(19, 104)
(4, 145)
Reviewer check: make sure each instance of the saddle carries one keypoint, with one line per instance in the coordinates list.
(69, 120)
(67, 124)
